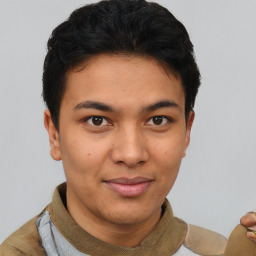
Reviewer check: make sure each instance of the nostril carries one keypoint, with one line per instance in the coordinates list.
(141, 162)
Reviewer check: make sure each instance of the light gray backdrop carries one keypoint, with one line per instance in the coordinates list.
(216, 184)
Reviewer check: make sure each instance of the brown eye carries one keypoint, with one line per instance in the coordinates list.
(157, 120)
(97, 120)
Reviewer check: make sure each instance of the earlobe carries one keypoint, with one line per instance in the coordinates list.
(190, 121)
(53, 136)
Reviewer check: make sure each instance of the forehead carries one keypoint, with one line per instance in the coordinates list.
(130, 80)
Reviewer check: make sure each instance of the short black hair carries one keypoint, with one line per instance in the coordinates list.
(133, 27)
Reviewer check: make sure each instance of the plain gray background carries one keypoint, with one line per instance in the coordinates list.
(216, 184)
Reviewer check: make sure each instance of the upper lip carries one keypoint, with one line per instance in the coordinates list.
(129, 181)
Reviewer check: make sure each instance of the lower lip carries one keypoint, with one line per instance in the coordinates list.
(131, 190)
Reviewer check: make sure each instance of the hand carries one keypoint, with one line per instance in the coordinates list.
(249, 221)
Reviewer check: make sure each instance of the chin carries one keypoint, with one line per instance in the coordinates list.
(129, 214)
(127, 219)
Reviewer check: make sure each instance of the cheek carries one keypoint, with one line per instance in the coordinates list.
(81, 157)
(167, 157)
(169, 167)
(168, 175)
(169, 150)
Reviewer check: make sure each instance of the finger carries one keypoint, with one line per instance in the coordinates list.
(249, 219)
(252, 235)
(252, 228)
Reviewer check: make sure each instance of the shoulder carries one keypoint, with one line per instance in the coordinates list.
(24, 241)
(238, 244)
(204, 242)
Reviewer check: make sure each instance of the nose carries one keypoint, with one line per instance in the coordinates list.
(130, 148)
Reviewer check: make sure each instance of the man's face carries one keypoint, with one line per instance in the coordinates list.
(122, 137)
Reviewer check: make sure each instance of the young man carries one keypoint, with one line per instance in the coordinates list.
(120, 82)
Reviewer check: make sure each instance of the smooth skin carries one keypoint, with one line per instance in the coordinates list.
(121, 139)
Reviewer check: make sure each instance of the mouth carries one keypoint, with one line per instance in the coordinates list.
(127, 187)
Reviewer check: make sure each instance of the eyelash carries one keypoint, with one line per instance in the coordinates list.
(104, 119)
(167, 119)
(86, 120)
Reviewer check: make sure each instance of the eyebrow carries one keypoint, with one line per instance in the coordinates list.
(94, 105)
(161, 104)
(104, 107)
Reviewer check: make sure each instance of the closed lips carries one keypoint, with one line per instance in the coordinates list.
(129, 187)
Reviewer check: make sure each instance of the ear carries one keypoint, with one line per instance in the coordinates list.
(54, 138)
(188, 130)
